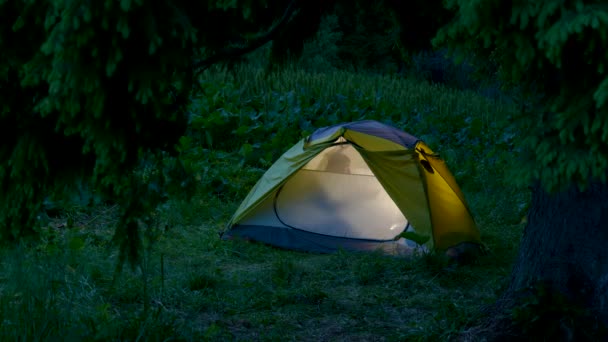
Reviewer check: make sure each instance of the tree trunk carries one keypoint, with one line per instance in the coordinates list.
(565, 248)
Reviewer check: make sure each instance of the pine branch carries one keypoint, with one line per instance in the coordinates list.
(234, 51)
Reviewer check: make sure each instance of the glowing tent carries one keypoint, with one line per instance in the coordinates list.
(357, 186)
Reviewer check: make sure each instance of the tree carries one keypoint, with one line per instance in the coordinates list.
(368, 35)
(553, 50)
(82, 99)
(99, 90)
(373, 33)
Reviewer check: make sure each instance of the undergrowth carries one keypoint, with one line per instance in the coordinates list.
(194, 286)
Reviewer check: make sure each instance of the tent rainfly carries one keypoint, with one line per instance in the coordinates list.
(357, 186)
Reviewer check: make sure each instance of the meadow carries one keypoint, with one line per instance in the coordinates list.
(191, 285)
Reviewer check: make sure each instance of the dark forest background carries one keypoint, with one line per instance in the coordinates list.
(130, 131)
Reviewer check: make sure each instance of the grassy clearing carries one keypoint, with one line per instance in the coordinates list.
(193, 286)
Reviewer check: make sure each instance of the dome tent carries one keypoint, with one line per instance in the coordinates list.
(356, 186)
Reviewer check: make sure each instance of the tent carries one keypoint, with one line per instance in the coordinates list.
(356, 186)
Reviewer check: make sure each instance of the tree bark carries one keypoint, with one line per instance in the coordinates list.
(565, 246)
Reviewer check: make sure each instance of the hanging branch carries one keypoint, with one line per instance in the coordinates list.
(233, 52)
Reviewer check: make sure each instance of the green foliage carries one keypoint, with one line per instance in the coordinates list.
(437, 67)
(101, 95)
(100, 92)
(369, 35)
(380, 36)
(92, 95)
(419, 21)
(284, 273)
(250, 119)
(56, 291)
(209, 279)
(552, 49)
(322, 53)
(370, 269)
(191, 285)
(289, 43)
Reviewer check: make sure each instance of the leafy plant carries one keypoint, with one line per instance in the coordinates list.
(197, 286)
(543, 48)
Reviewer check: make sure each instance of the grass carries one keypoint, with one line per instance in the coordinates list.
(194, 286)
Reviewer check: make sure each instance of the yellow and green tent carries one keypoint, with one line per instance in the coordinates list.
(358, 186)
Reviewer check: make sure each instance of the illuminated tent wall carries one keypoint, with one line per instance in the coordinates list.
(357, 186)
